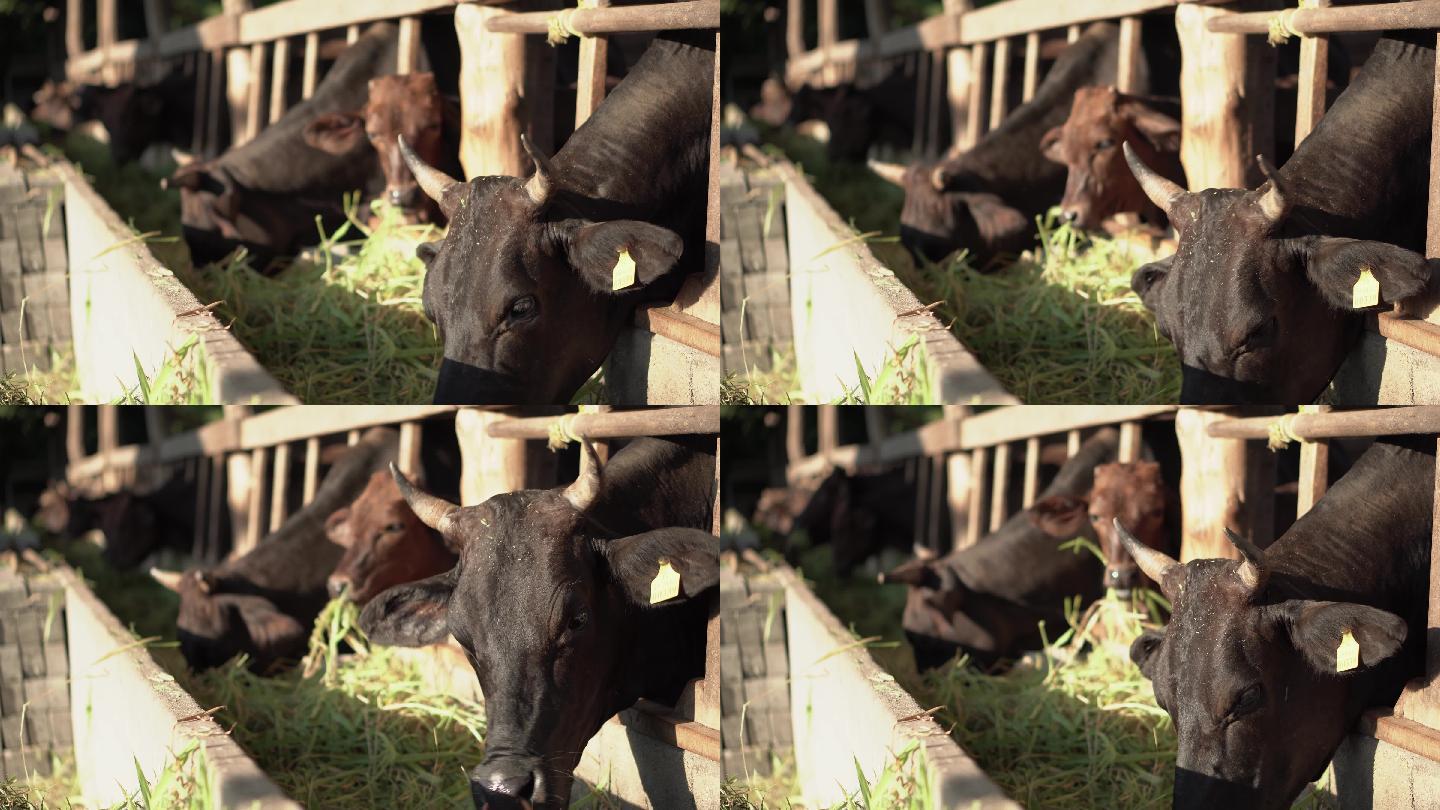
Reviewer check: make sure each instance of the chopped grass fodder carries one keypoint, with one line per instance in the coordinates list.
(347, 326)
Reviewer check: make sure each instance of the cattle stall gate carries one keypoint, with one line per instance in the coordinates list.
(797, 280)
(962, 462)
(962, 62)
(646, 756)
(241, 59)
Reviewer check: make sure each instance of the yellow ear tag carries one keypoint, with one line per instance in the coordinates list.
(666, 584)
(624, 274)
(1367, 290)
(1347, 655)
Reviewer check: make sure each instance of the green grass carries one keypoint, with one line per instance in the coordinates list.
(1059, 325)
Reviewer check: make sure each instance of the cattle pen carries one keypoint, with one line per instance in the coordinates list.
(965, 64)
(253, 469)
(968, 473)
(240, 65)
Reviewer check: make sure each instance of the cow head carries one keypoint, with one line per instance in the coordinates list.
(1099, 184)
(410, 106)
(214, 626)
(62, 510)
(944, 616)
(544, 603)
(524, 301)
(1132, 493)
(1249, 677)
(385, 543)
(1256, 317)
(948, 208)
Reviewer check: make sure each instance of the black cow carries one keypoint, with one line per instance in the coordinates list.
(266, 194)
(986, 199)
(1247, 667)
(1257, 299)
(264, 603)
(522, 288)
(989, 599)
(552, 603)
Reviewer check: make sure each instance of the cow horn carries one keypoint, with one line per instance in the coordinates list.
(581, 494)
(1272, 203)
(1157, 565)
(432, 511)
(538, 186)
(433, 182)
(1161, 190)
(1252, 571)
(889, 172)
(170, 579)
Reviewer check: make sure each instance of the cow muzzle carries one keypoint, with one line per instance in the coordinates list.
(507, 785)
(337, 585)
(1122, 579)
(404, 196)
(1201, 387)
(463, 384)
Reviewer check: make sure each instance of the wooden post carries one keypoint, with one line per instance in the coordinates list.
(1032, 472)
(255, 91)
(75, 28)
(937, 498)
(312, 65)
(922, 472)
(218, 486)
(74, 433)
(1128, 74)
(922, 102)
(590, 86)
(106, 29)
(957, 485)
(407, 57)
(352, 437)
(312, 469)
(156, 13)
(202, 83)
(1072, 443)
(259, 461)
(492, 77)
(352, 33)
(488, 466)
(794, 27)
(237, 79)
(877, 18)
(1129, 452)
(1314, 67)
(279, 486)
(1072, 33)
(958, 77)
(875, 431)
(280, 71)
(202, 499)
(975, 122)
(1217, 147)
(1032, 65)
(794, 433)
(999, 81)
(409, 455)
(1223, 484)
(979, 478)
(213, 97)
(108, 426)
(828, 429)
(1420, 701)
(1000, 492)
(937, 102)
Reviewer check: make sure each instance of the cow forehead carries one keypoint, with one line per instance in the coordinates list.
(523, 528)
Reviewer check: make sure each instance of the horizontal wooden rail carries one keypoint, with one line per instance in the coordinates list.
(292, 424)
(683, 328)
(1337, 19)
(615, 424)
(1416, 334)
(1335, 424)
(613, 20)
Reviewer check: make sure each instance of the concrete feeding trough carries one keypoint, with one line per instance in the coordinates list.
(830, 677)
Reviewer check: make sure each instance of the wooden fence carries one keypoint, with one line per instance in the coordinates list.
(963, 463)
(242, 466)
(231, 54)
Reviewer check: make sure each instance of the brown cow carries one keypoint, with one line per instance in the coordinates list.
(1134, 493)
(385, 544)
(409, 105)
(1100, 184)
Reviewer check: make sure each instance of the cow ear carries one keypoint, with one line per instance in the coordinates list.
(1060, 516)
(1147, 280)
(1160, 130)
(594, 252)
(635, 562)
(333, 528)
(336, 133)
(1050, 145)
(1318, 628)
(1142, 651)
(1334, 264)
(270, 629)
(413, 614)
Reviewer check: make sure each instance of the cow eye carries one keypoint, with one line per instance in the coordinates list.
(1248, 701)
(522, 308)
(1095, 519)
(1263, 336)
(1105, 143)
(577, 622)
(395, 527)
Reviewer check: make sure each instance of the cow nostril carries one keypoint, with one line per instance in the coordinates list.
(1070, 215)
(515, 786)
(336, 586)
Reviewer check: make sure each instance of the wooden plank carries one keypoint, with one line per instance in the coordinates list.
(958, 483)
(1032, 65)
(1213, 486)
(590, 86)
(255, 90)
(684, 14)
(280, 72)
(999, 81)
(1000, 492)
(408, 458)
(1016, 17)
(489, 465)
(492, 84)
(407, 57)
(979, 479)
(828, 22)
(1314, 468)
(934, 438)
(105, 23)
(1314, 67)
(1128, 70)
(279, 486)
(312, 62)
(1129, 443)
(1032, 472)
(975, 123)
(1002, 425)
(295, 17)
(692, 419)
(958, 77)
(312, 469)
(303, 421)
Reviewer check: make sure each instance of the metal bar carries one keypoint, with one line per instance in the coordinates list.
(1336, 424)
(1032, 472)
(279, 486)
(625, 19)
(693, 419)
